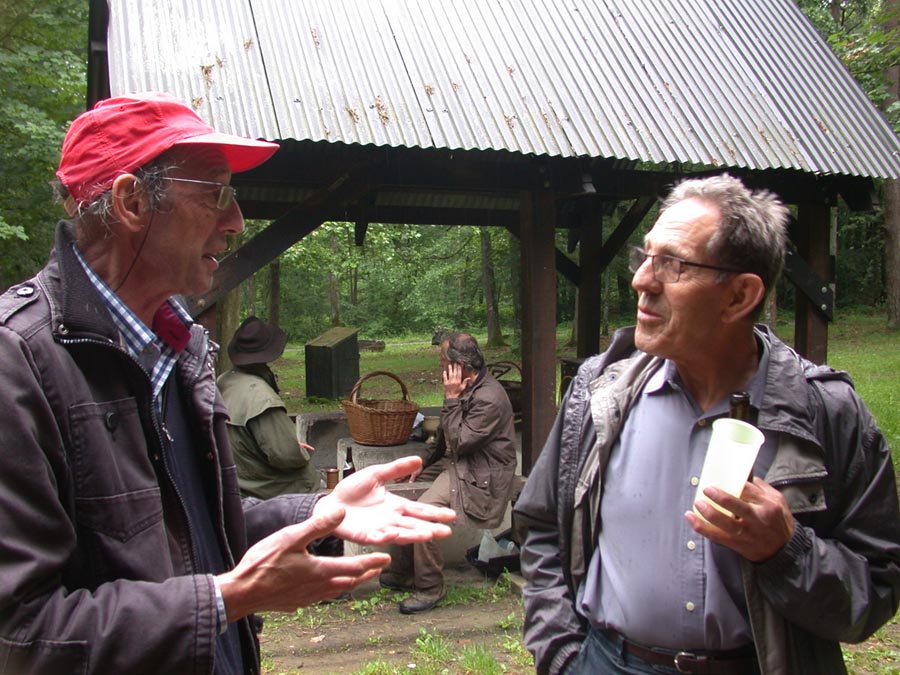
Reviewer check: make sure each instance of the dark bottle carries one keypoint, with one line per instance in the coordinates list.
(739, 409)
(739, 406)
(349, 468)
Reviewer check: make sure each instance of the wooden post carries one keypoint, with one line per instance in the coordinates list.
(538, 224)
(812, 237)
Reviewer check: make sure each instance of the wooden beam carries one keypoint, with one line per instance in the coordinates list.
(538, 323)
(619, 237)
(277, 237)
(811, 234)
(359, 232)
(587, 312)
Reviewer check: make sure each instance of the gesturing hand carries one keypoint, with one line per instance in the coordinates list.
(762, 522)
(279, 574)
(376, 516)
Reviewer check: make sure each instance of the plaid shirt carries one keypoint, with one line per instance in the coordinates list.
(156, 356)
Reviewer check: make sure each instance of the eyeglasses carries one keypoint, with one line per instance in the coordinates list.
(667, 269)
(227, 194)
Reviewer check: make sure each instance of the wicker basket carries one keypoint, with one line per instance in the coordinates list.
(377, 421)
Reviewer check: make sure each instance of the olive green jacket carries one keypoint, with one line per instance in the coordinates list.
(269, 460)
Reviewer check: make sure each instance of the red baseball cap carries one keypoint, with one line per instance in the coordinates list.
(122, 134)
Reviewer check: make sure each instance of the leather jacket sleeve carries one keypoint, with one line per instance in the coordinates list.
(553, 631)
(839, 576)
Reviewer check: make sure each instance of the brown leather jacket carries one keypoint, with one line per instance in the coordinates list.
(478, 435)
(95, 555)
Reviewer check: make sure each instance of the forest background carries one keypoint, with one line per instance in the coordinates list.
(407, 279)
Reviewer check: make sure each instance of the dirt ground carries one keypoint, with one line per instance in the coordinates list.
(349, 637)
(344, 636)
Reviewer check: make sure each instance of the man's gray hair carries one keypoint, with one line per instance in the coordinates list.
(752, 232)
(92, 219)
(463, 348)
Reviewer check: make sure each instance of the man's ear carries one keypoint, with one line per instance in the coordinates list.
(129, 204)
(746, 292)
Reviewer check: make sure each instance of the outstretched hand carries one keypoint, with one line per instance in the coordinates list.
(280, 574)
(375, 516)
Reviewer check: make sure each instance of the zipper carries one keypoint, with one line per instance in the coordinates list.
(158, 426)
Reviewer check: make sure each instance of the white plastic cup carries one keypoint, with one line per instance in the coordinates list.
(730, 456)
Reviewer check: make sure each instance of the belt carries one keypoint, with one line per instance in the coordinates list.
(740, 661)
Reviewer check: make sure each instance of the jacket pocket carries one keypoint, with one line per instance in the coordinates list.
(118, 502)
(108, 449)
(43, 656)
(486, 498)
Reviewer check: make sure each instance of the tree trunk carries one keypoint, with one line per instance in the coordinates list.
(274, 301)
(354, 286)
(334, 291)
(770, 311)
(892, 251)
(604, 304)
(892, 188)
(228, 315)
(250, 295)
(515, 286)
(488, 281)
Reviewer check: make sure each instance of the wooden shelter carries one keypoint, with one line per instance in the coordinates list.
(531, 115)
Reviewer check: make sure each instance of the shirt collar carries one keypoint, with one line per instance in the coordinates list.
(171, 322)
(667, 378)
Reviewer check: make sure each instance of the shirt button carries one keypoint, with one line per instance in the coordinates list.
(691, 545)
(695, 481)
(690, 606)
(701, 423)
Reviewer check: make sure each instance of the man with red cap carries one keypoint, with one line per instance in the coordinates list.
(125, 541)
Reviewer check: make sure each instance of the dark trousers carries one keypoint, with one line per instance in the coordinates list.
(424, 562)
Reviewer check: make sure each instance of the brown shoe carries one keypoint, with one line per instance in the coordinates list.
(396, 582)
(420, 603)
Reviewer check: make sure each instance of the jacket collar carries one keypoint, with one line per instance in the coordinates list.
(79, 310)
(786, 406)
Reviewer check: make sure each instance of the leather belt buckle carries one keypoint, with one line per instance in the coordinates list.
(685, 660)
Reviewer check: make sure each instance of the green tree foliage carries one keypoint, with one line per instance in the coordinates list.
(408, 278)
(42, 84)
(855, 30)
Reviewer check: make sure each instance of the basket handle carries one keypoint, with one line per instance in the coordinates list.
(359, 382)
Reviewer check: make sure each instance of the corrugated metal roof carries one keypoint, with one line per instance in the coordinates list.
(742, 83)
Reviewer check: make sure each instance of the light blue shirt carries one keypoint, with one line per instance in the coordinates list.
(652, 577)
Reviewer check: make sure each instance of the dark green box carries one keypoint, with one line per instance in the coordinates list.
(332, 363)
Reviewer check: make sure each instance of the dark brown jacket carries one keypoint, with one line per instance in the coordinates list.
(95, 558)
(478, 436)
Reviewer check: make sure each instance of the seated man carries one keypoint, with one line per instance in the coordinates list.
(268, 457)
(472, 467)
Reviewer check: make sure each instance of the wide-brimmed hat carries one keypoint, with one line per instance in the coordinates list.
(119, 135)
(256, 341)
